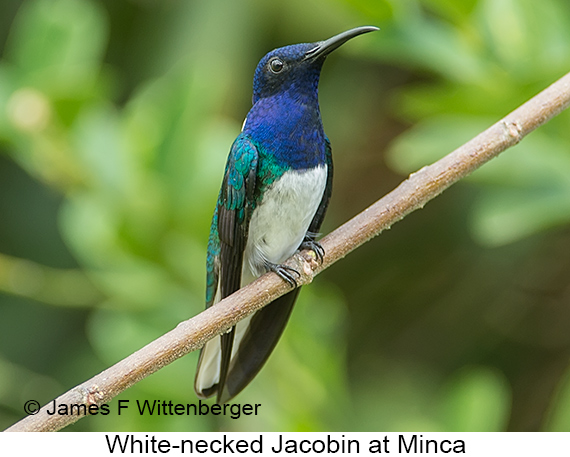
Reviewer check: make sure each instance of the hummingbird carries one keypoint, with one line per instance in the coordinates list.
(275, 192)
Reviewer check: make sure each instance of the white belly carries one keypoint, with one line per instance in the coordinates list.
(280, 222)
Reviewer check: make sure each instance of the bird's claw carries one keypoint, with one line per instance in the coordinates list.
(285, 272)
(315, 247)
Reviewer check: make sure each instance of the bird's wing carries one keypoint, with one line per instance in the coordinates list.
(226, 246)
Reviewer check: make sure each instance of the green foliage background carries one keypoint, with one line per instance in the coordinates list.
(115, 122)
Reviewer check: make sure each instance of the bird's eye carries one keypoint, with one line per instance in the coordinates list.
(276, 65)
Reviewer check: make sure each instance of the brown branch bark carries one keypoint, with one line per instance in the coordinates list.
(410, 195)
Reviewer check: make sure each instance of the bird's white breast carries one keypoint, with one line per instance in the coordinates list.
(280, 222)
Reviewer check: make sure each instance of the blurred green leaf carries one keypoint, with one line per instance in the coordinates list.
(102, 150)
(559, 415)
(508, 215)
(57, 45)
(524, 191)
(431, 139)
(457, 12)
(476, 399)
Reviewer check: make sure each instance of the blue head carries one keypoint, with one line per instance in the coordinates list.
(297, 67)
(286, 70)
(285, 117)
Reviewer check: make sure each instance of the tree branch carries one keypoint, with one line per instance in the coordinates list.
(410, 195)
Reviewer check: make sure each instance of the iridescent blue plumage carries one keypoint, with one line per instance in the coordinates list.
(276, 189)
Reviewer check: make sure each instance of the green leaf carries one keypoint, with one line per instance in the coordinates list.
(477, 400)
(507, 215)
(458, 12)
(431, 139)
(525, 189)
(559, 415)
(58, 44)
(102, 149)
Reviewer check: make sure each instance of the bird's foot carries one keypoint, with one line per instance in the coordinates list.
(285, 272)
(315, 247)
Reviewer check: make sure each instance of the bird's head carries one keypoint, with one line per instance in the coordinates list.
(297, 66)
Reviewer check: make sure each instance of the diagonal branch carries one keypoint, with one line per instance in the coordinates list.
(410, 195)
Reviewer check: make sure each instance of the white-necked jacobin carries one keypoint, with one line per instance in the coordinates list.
(275, 192)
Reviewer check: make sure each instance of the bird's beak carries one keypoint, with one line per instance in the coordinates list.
(323, 48)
